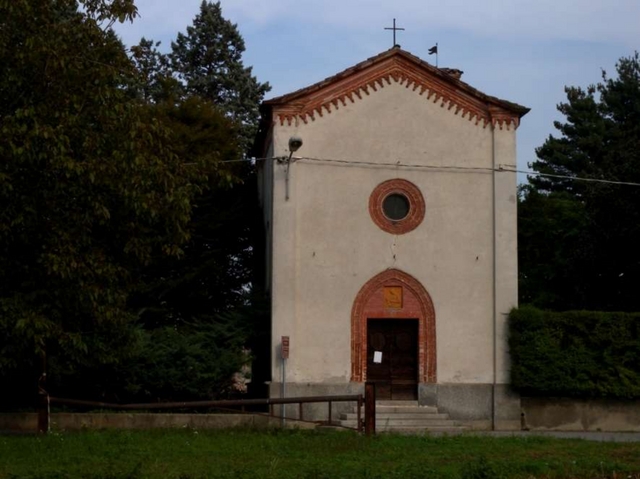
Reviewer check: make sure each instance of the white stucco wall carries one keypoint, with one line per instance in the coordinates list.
(326, 246)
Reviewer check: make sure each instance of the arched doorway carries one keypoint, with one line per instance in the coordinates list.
(389, 311)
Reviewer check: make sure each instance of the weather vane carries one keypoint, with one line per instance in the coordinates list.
(434, 50)
(395, 29)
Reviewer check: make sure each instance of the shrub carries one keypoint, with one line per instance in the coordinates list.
(575, 353)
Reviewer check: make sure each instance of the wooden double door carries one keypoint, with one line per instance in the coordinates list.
(392, 358)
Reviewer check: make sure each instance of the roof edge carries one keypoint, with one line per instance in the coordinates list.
(442, 74)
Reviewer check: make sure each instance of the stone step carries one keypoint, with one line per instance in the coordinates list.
(420, 430)
(422, 423)
(396, 403)
(407, 409)
(407, 417)
(399, 415)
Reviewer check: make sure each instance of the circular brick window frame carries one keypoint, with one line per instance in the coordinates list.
(399, 187)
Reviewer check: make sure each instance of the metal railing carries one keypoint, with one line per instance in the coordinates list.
(366, 402)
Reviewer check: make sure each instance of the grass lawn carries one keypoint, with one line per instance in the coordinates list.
(190, 454)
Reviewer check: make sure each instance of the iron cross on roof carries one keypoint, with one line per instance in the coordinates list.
(394, 28)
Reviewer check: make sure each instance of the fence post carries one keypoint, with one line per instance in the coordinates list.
(43, 413)
(43, 398)
(369, 409)
(43, 404)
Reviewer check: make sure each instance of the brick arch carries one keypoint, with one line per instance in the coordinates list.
(417, 303)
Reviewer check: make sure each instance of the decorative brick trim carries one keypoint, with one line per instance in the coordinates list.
(417, 303)
(416, 206)
(398, 67)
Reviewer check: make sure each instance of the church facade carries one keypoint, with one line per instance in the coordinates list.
(390, 212)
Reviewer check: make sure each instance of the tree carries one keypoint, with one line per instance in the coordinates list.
(553, 250)
(129, 235)
(599, 139)
(211, 289)
(94, 186)
(208, 60)
(156, 82)
(212, 274)
(218, 268)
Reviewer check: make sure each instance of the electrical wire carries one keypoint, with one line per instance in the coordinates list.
(397, 164)
(499, 169)
(576, 178)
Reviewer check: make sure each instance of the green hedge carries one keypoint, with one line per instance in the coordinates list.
(575, 353)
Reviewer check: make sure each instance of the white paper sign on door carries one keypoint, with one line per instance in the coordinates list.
(377, 357)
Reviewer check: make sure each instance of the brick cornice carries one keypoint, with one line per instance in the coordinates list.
(427, 82)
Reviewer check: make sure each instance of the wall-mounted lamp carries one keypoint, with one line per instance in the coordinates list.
(295, 142)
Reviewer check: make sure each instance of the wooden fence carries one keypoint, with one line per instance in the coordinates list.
(366, 403)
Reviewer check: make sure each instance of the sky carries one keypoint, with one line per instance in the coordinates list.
(524, 51)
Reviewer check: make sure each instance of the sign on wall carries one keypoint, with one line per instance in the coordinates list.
(284, 347)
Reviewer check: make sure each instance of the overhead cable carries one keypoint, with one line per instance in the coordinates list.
(398, 164)
(576, 178)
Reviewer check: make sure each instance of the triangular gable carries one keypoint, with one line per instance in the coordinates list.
(433, 84)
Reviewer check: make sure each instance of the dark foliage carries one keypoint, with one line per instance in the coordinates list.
(91, 188)
(578, 240)
(575, 353)
(128, 226)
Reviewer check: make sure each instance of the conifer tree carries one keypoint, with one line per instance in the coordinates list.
(600, 139)
(205, 300)
(208, 60)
